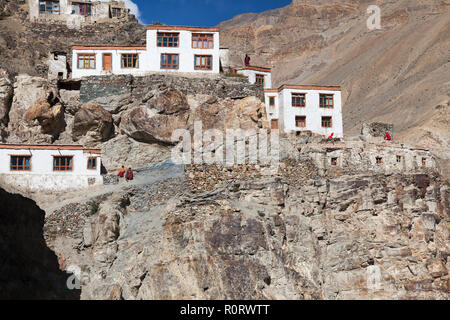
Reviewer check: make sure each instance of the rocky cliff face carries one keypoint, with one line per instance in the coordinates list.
(398, 74)
(296, 235)
(28, 268)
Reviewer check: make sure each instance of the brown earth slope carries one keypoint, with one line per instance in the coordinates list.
(399, 74)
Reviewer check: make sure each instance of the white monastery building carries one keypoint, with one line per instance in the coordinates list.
(293, 108)
(49, 167)
(168, 49)
(258, 75)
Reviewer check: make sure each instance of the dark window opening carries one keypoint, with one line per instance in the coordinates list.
(62, 163)
(334, 161)
(326, 101)
(49, 7)
(20, 163)
(259, 79)
(379, 160)
(92, 163)
(298, 100)
(300, 121)
(271, 101)
(327, 122)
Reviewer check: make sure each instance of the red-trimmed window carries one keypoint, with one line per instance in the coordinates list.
(327, 122)
(169, 61)
(168, 39)
(20, 163)
(202, 41)
(203, 62)
(259, 79)
(272, 101)
(62, 163)
(326, 101)
(86, 61)
(300, 121)
(48, 6)
(130, 60)
(299, 100)
(92, 163)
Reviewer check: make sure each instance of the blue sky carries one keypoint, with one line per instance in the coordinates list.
(205, 13)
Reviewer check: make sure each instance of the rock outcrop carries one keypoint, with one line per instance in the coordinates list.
(92, 124)
(298, 234)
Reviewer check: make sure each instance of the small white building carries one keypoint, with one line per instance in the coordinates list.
(74, 12)
(258, 75)
(168, 49)
(49, 167)
(293, 108)
(104, 60)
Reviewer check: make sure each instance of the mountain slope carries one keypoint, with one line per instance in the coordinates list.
(398, 74)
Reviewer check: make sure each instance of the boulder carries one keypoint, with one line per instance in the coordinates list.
(33, 96)
(92, 124)
(166, 111)
(50, 118)
(71, 100)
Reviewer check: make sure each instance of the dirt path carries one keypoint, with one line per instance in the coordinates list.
(143, 176)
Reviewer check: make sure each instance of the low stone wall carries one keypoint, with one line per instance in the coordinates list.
(219, 86)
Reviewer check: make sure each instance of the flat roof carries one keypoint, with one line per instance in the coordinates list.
(48, 147)
(110, 47)
(207, 29)
(304, 87)
(264, 69)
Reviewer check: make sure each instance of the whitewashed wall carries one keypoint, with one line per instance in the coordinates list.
(251, 74)
(116, 62)
(312, 111)
(286, 113)
(42, 176)
(185, 51)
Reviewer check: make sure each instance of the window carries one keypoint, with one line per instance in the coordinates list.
(203, 62)
(83, 9)
(165, 39)
(92, 163)
(271, 101)
(300, 121)
(86, 61)
(202, 41)
(20, 163)
(49, 7)
(399, 159)
(62, 163)
(116, 12)
(274, 124)
(326, 101)
(169, 61)
(379, 160)
(334, 161)
(424, 162)
(130, 60)
(327, 122)
(259, 79)
(298, 100)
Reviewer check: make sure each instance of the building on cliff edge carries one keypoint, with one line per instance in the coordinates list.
(49, 167)
(168, 49)
(298, 108)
